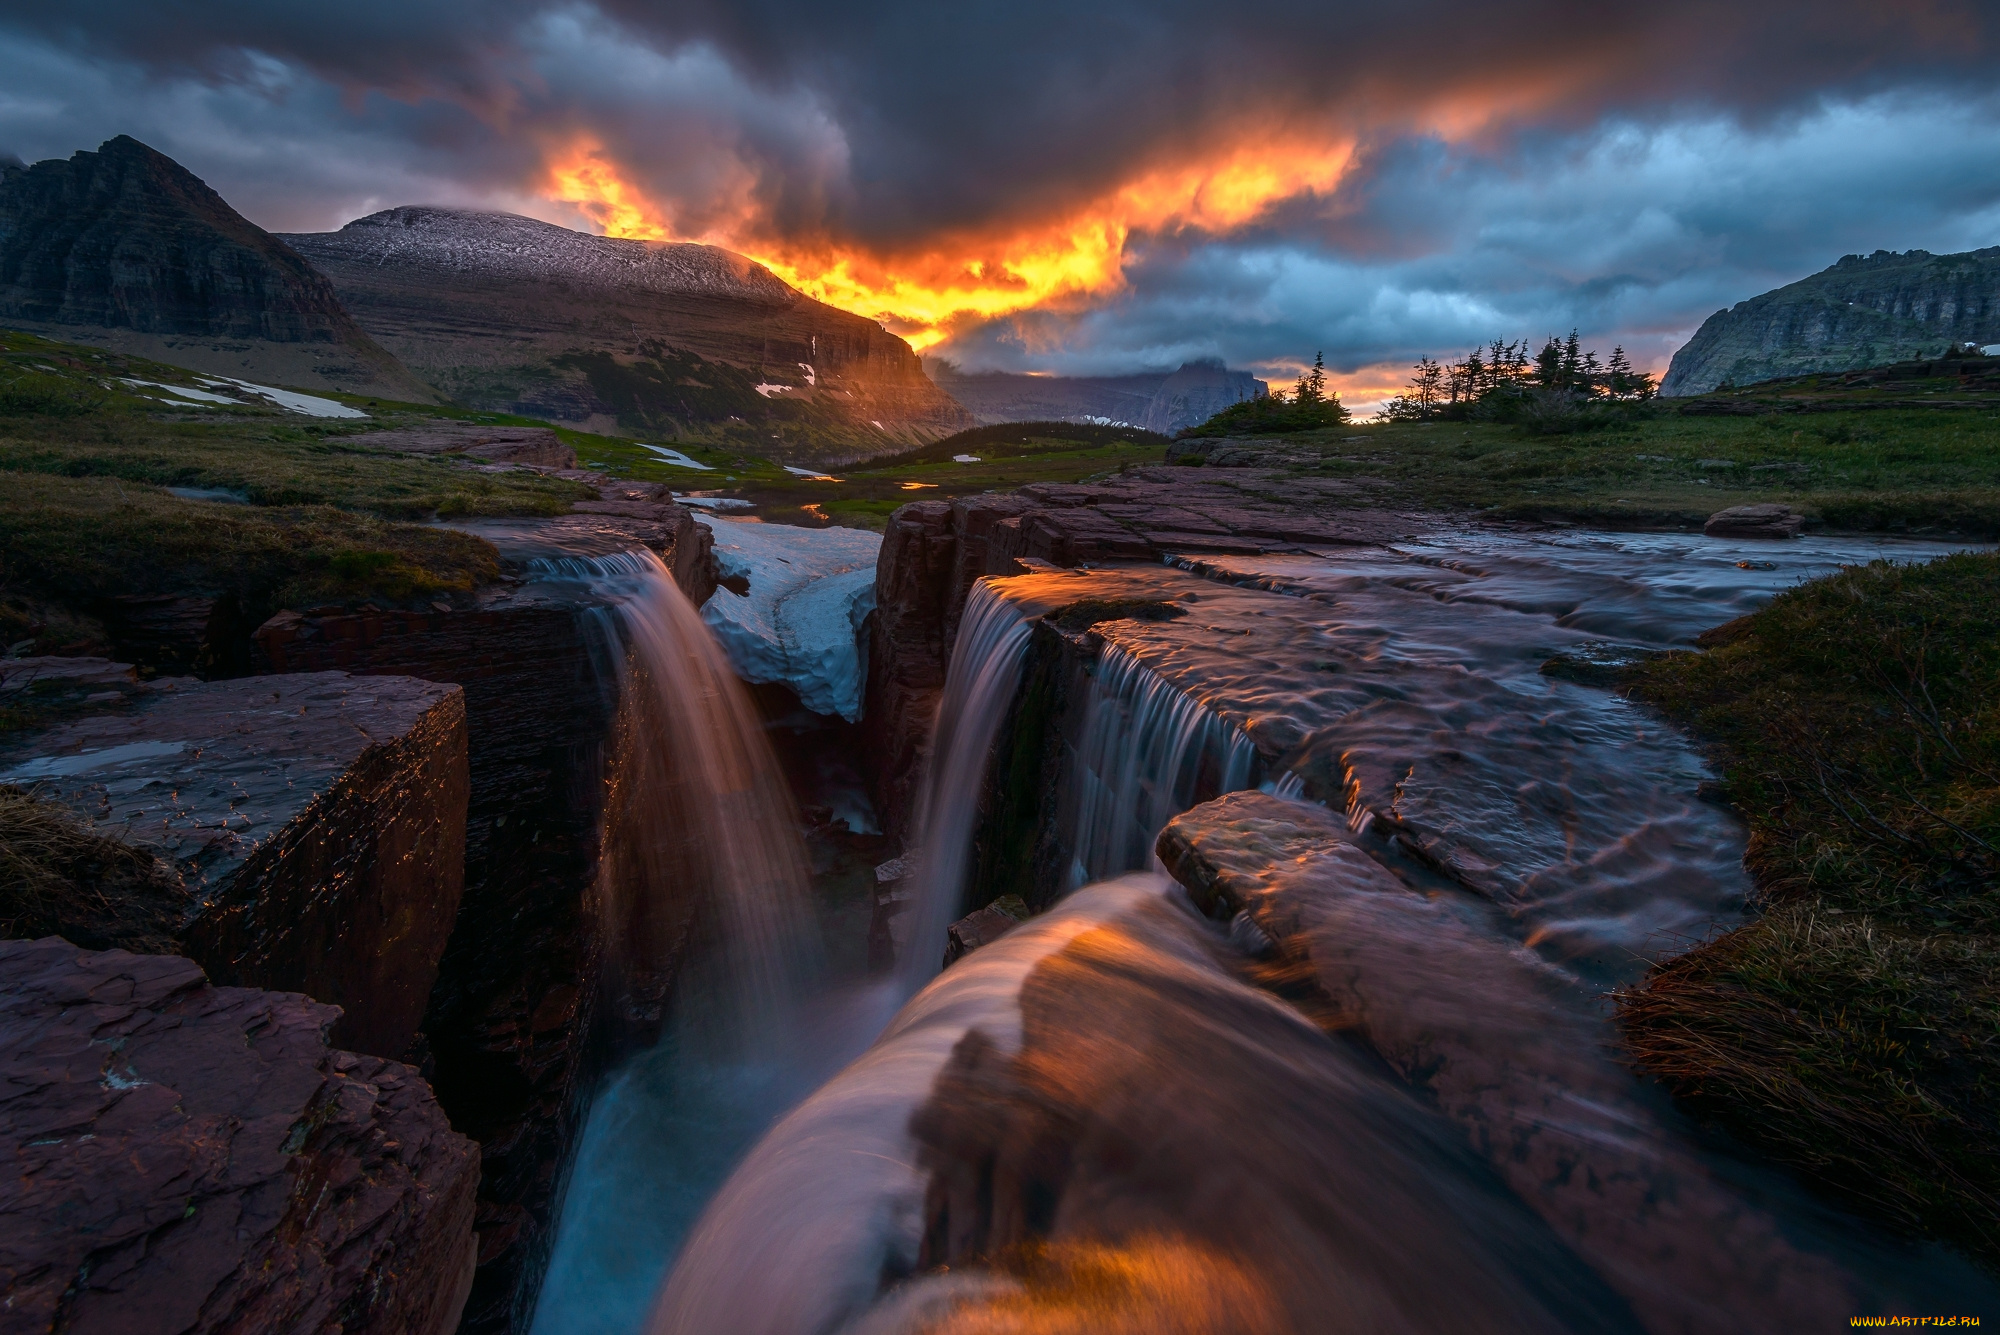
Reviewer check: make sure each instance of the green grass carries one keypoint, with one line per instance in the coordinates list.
(1881, 470)
(1853, 1030)
(867, 493)
(85, 515)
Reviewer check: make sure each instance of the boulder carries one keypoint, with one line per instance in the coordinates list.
(1762, 520)
(983, 927)
(318, 820)
(192, 1158)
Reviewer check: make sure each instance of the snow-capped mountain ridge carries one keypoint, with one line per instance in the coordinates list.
(509, 246)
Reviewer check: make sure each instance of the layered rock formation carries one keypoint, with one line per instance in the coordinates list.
(317, 821)
(933, 551)
(1864, 311)
(510, 314)
(193, 1158)
(126, 248)
(515, 1026)
(1163, 401)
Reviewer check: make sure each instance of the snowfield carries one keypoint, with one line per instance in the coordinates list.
(811, 591)
(506, 245)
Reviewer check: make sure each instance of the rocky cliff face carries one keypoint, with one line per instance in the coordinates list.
(125, 247)
(510, 314)
(522, 1011)
(197, 1159)
(1864, 311)
(317, 821)
(1163, 401)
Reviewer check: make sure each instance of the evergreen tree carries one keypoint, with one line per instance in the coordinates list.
(1312, 385)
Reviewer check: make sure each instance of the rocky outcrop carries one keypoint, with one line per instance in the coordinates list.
(1864, 311)
(512, 1005)
(933, 551)
(515, 1023)
(509, 314)
(317, 822)
(193, 1158)
(125, 247)
(1754, 521)
(1163, 401)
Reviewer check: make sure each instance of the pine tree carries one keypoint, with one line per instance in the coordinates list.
(1312, 385)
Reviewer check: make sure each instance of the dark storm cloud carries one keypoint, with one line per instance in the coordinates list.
(961, 115)
(1519, 169)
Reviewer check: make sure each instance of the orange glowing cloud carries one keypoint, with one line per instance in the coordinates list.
(921, 293)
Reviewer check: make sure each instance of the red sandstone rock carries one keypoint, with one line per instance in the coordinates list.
(1763, 520)
(319, 821)
(190, 1158)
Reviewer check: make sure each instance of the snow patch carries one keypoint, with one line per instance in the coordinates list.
(309, 404)
(181, 391)
(811, 474)
(811, 591)
(812, 377)
(965, 458)
(768, 390)
(677, 459)
(715, 503)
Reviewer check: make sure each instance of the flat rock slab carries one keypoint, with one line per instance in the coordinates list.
(318, 819)
(536, 445)
(191, 1158)
(1763, 520)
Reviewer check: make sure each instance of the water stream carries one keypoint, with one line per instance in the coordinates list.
(1114, 1078)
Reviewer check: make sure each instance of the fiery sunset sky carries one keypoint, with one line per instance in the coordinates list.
(1098, 187)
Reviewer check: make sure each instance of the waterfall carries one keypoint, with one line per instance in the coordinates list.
(701, 843)
(1147, 752)
(696, 802)
(979, 688)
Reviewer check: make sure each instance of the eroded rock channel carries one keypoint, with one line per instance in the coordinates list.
(1140, 907)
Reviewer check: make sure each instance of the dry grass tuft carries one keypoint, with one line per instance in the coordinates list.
(1853, 1031)
(58, 877)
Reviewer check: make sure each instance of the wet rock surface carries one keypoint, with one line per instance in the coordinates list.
(195, 1158)
(933, 551)
(317, 821)
(1525, 1062)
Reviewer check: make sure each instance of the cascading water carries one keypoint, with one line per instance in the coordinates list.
(700, 831)
(1148, 753)
(979, 688)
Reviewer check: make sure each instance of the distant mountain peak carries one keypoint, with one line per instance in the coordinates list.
(1861, 311)
(508, 246)
(126, 242)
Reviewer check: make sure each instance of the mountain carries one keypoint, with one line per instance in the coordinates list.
(509, 314)
(1162, 401)
(126, 248)
(1864, 311)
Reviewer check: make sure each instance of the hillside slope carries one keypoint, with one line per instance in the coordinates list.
(1864, 311)
(126, 248)
(1162, 401)
(505, 313)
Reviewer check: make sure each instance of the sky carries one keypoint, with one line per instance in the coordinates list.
(1095, 188)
